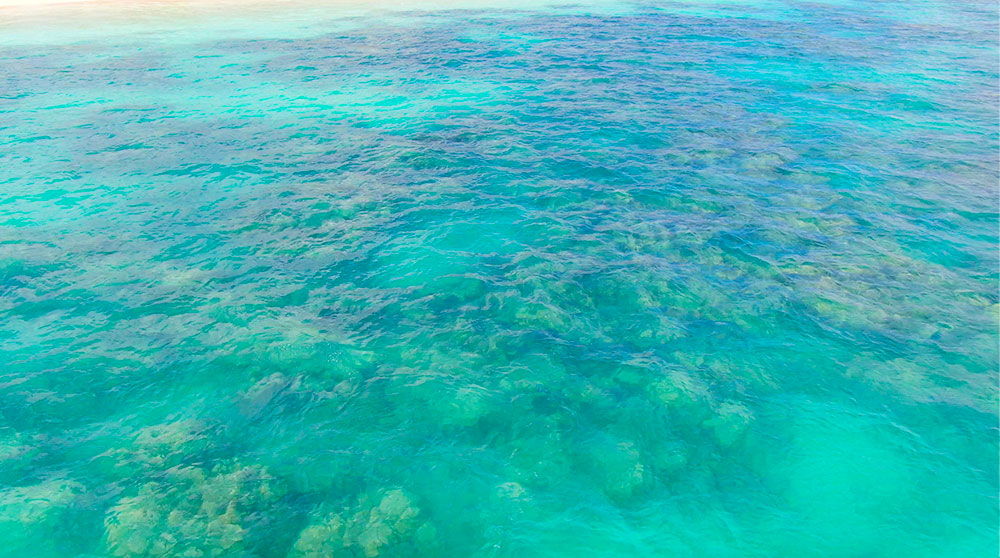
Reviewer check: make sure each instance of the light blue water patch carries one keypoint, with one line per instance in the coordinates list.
(687, 279)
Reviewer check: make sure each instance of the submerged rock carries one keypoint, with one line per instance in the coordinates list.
(15, 447)
(677, 389)
(26, 511)
(388, 523)
(729, 423)
(190, 513)
(156, 444)
(155, 448)
(618, 467)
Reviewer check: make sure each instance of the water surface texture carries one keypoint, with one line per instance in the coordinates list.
(679, 280)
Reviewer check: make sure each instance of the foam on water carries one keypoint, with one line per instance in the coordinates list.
(685, 279)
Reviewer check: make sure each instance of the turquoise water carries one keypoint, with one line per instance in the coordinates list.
(713, 279)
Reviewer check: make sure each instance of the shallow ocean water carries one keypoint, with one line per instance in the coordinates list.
(680, 279)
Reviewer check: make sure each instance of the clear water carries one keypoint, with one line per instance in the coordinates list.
(708, 279)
